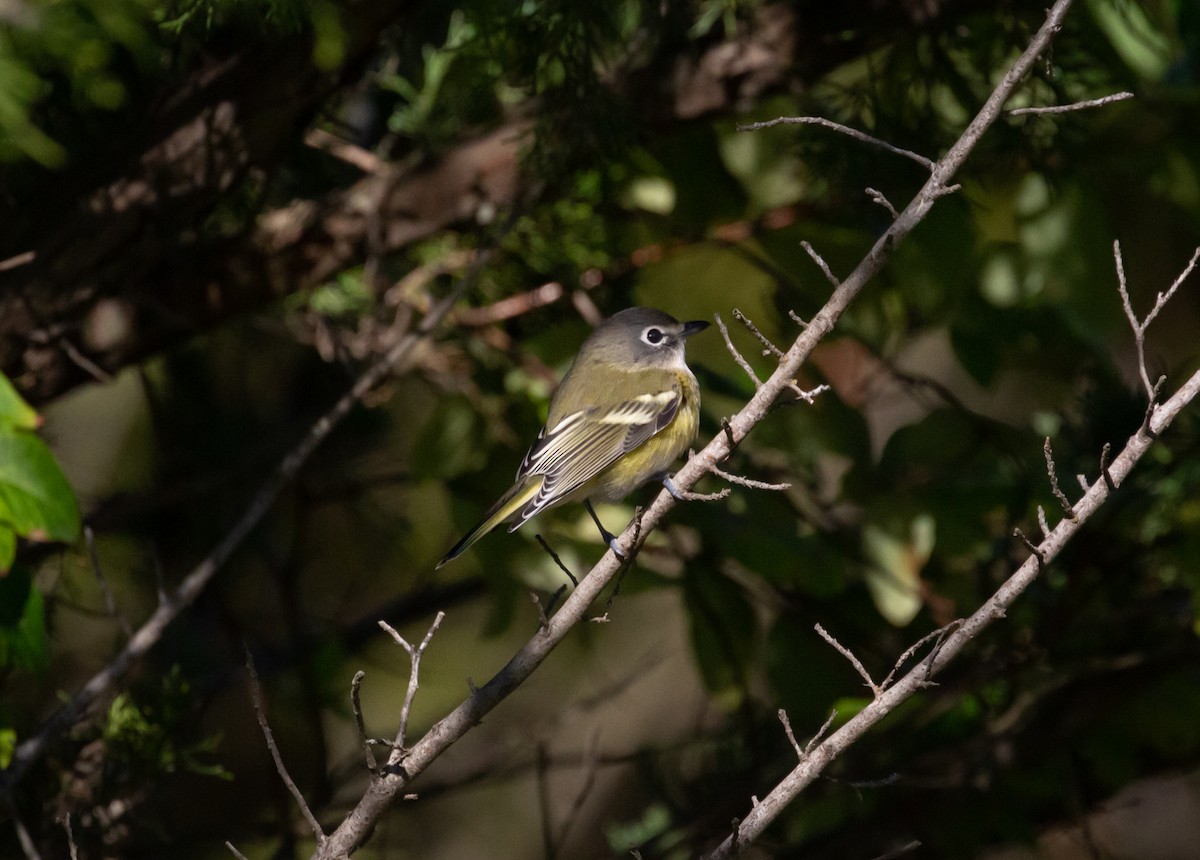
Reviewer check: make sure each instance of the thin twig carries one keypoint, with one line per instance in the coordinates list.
(762, 338)
(260, 713)
(877, 197)
(28, 846)
(748, 482)
(791, 736)
(414, 656)
(844, 129)
(771, 349)
(689, 496)
(84, 363)
(1029, 545)
(1083, 105)
(1139, 326)
(1108, 478)
(110, 602)
(18, 260)
(234, 851)
(511, 306)
(545, 612)
(1058, 494)
(849, 655)
(901, 851)
(72, 848)
(356, 705)
(822, 265)
(737, 356)
(912, 649)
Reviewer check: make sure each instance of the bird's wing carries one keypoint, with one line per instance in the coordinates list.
(585, 443)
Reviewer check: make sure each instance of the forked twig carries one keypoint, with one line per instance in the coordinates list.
(1139, 326)
(414, 656)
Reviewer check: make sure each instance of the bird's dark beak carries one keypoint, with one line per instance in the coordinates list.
(694, 327)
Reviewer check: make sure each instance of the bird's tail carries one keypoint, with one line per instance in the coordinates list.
(511, 502)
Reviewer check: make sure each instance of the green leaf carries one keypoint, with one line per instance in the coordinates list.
(23, 640)
(8, 547)
(8, 746)
(14, 411)
(35, 499)
(894, 577)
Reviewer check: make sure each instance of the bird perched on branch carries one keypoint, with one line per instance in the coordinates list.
(625, 411)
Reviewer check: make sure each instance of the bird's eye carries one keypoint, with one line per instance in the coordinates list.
(652, 336)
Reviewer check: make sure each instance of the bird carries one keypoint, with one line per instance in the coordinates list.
(626, 409)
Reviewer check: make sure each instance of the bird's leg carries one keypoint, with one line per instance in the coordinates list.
(671, 488)
(609, 537)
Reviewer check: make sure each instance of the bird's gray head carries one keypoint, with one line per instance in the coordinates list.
(640, 337)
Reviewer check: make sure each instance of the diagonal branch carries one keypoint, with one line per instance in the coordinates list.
(356, 827)
(769, 807)
(104, 682)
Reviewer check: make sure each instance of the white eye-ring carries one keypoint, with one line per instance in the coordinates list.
(653, 336)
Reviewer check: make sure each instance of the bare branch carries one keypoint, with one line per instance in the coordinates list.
(1043, 523)
(801, 752)
(737, 356)
(769, 348)
(234, 851)
(18, 260)
(938, 634)
(545, 612)
(511, 306)
(843, 129)
(1054, 488)
(84, 363)
(171, 605)
(849, 655)
(877, 197)
(72, 848)
(791, 736)
(28, 847)
(359, 821)
(414, 656)
(1083, 105)
(748, 482)
(970, 628)
(822, 265)
(1139, 326)
(901, 851)
(356, 705)
(343, 150)
(260, 713)
(1105, 452)
(110, 602)
(689, 496)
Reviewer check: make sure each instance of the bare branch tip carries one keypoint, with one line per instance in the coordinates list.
(853, 660)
